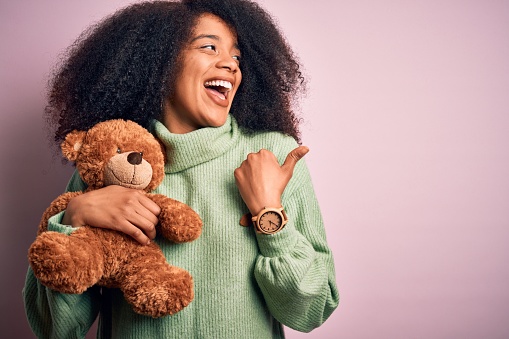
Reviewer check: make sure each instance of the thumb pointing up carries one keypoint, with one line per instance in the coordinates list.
(261, 179)
(293, 157)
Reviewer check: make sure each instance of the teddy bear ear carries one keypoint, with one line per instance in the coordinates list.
(72, 144)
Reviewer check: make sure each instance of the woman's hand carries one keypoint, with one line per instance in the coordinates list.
(117, 208)
(261, 180)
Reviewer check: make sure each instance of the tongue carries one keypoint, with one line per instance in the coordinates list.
(216, 93)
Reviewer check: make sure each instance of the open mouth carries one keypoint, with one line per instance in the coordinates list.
(219, 88)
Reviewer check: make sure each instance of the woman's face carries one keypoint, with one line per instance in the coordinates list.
(209, 77)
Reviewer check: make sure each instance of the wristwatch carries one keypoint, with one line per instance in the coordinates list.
(270, 220)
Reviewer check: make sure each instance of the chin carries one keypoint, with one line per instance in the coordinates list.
(218, 121)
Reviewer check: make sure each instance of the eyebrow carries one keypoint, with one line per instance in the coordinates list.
(211, 36)
(205, 36)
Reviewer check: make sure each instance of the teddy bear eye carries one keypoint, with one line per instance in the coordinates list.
(119, 151)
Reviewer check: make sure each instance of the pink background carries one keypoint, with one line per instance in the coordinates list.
(407, 121)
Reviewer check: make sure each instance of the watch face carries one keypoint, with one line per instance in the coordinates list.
(270, 222)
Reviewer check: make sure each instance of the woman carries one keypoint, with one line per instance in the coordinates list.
(175, 68)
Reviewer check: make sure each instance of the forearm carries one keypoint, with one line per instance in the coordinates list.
(56, 315)
(295, 268)
(297, 281)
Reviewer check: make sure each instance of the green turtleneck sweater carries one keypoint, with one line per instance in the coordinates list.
(246, 284)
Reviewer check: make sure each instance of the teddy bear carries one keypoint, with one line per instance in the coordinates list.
(117, 152)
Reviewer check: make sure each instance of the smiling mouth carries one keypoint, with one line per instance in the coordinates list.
(219, 88)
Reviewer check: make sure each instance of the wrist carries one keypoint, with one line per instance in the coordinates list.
(270, 220)
(257, 208)
(70, 216)
(66, 220)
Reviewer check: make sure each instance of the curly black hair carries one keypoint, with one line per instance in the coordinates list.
(124, 67)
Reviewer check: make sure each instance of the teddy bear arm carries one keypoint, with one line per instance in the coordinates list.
(151, 285)
(56, 206)
(177, 221)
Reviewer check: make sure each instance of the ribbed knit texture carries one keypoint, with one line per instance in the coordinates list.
(246, 284)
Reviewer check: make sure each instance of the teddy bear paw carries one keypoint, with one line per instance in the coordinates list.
(62, 264)
(165, 294)
(185, 228)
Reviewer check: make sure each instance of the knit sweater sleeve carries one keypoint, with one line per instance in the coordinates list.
(57, 315)
(295, 268)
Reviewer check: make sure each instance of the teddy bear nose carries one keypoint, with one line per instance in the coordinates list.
(134, 158)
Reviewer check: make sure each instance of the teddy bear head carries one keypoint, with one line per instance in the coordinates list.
(116, 152)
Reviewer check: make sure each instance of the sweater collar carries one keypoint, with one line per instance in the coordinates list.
(190, 149)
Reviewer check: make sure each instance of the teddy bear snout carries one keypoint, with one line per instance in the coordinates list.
(135, 158)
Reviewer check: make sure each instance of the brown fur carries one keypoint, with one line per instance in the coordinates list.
(88, 256)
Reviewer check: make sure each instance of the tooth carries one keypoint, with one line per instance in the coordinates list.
(222, 83)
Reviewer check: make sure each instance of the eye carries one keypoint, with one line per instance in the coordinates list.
(211, 47)
(237, 58)
(119, 151)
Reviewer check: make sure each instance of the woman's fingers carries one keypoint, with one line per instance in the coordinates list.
(144, 217)
(135, 232)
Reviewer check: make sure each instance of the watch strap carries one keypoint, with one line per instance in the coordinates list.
(246, 220)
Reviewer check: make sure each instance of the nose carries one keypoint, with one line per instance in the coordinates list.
(227, 62)
(134, 158)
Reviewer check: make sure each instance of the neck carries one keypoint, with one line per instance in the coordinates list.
(197, 146)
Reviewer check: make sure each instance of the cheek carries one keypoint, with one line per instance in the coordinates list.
(239, 81)
(185, 92)
(185, 81)
(191, 84)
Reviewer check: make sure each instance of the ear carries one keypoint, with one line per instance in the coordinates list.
(72, 144)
